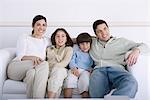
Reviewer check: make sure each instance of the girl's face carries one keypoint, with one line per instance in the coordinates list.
(39, 28)
(60, 39)
(84, 46)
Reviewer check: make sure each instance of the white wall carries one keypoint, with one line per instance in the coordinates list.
(9, 35)
(75, 10)
(16, 16)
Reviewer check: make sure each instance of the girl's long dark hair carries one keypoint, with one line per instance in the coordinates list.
(69, 40)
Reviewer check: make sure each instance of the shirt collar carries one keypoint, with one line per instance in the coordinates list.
(109, 41)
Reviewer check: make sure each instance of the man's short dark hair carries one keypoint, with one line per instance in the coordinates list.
(98, 22)
(84, 37)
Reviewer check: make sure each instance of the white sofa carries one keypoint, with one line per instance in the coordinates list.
(10, 89)
(16, 89)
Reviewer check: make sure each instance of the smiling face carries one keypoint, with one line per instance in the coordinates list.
(39, 28)
(60, 39)
(84, 46)
(102, 32)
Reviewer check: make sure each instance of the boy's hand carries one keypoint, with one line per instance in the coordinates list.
(90, 71)
(75, 72)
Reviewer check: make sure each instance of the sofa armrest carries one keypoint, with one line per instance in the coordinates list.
(140, 72)
(6, 55)
(141, 66)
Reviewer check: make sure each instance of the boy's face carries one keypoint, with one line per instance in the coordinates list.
(84, 46)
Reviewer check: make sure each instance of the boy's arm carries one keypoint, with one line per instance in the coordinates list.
(72, 63)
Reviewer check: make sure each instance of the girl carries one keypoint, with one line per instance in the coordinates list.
(58, 56)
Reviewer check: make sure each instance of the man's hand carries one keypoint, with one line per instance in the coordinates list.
(75, 72)
(132, 57)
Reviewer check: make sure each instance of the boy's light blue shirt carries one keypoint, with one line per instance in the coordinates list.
(81, 60)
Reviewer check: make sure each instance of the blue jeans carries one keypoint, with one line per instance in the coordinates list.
(104, 79)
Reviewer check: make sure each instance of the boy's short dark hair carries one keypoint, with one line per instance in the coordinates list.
(84, 37)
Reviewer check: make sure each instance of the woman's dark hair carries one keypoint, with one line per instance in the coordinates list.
(36, 18)
(98, 22)
(84, 37)
(69, 40)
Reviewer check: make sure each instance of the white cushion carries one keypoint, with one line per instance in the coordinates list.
(14, 87)
(14, 97)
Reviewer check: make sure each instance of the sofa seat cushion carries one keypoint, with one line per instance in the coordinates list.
(14, 87)
(75, 93)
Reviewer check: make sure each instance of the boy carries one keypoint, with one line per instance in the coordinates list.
(80, 67)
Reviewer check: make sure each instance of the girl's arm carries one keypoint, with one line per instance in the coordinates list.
(66, 59)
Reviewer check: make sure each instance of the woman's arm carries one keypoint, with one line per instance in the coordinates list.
(36, 60)
(21, 46)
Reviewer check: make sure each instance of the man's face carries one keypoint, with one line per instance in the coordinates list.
(102, 32)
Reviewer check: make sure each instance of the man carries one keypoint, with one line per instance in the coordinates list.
(111, 55)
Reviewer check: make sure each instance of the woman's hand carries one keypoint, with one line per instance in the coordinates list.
(36, 60)
(75, 72)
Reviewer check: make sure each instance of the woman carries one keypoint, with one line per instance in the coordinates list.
(29, 64)
(59, 56)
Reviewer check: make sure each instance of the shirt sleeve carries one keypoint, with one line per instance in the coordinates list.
(67, 57)
(92, 65)
(131, 45)
(73, 63)
(50, 53)
(21, 47)
(48, 42)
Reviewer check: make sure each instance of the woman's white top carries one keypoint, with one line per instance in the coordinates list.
(30, 46)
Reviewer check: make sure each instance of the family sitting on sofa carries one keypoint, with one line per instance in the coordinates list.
(48, 66)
